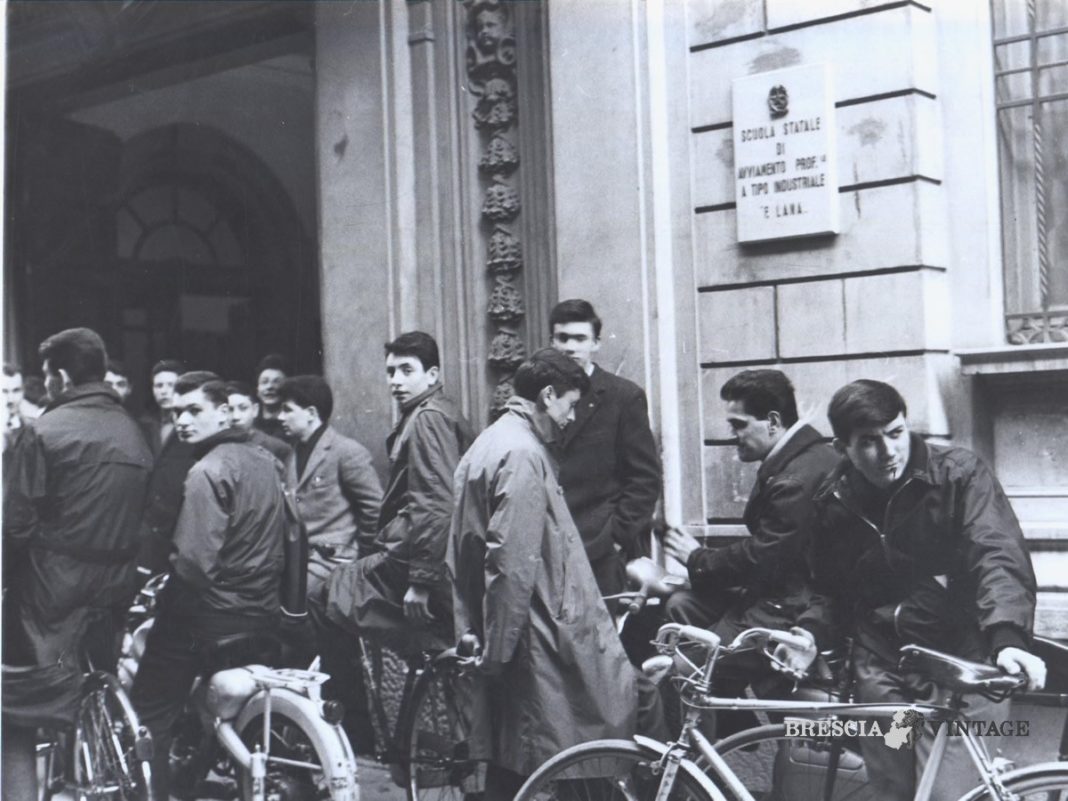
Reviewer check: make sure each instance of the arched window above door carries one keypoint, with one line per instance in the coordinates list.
(170, 221)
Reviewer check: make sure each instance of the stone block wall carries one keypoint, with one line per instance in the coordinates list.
(869, 302)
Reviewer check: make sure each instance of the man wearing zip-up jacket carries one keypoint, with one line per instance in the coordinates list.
(761, 580)
(917, 543)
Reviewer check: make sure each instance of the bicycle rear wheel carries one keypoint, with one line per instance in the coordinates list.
(606, 770)
(774, 767)
(111, 750)
(302, 764)
(436, 733)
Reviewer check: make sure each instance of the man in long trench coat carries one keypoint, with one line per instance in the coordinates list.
(552, 672)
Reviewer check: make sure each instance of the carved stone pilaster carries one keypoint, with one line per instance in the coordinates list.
(491, 76)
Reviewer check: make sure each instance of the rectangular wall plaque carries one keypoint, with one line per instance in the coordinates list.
(785, 159)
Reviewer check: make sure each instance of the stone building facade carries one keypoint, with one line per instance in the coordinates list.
(459, 166)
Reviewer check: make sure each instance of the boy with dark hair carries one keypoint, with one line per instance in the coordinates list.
(173, 460)
(398, 585)
(227, 564)
(13, 393)
(270, 373)
(338, 492)
(916, 543)
(549, 679)
(72, 504)
(609, 465)
(338, 495)
(244, 409)
(118, 379)
(159, 427)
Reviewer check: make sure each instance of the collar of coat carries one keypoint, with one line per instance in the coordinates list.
(411, 403)
(92, 389)
(799, 439)
(226, 435)
(543, 426)
(845, 478)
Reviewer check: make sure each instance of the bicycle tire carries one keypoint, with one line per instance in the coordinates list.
(298, 737)
(110, 756)
(1048, 783)
(607, 770)
(773, 766)
(435, 736)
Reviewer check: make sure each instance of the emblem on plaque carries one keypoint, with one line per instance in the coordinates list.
(778, 101)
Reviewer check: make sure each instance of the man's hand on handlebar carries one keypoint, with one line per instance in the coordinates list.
(1015, 661)
(417, 604)
(679, 545)
(795, 659)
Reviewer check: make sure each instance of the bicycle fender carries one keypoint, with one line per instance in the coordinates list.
(687, 765)
(339, 762)
(1031, 771)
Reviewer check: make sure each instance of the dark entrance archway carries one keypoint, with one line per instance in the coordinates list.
(160, 174)
(214, 267)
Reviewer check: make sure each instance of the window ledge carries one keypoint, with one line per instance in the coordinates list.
(1009, 359)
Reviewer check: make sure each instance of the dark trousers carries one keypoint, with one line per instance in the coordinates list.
(177, 651)
(340, 657)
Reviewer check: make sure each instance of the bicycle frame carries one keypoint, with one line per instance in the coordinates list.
(698, 699)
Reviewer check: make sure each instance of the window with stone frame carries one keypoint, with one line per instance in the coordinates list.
(1031, 91)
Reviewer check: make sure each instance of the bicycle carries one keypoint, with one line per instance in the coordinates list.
(693, 769)
(105, 753)
(267, 729)
(428, 745)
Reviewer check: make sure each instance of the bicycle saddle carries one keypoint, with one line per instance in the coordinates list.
(959, 675)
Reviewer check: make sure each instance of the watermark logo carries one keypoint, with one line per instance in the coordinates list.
(906, 729)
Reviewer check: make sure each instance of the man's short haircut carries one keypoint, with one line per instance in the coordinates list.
(864, 404)
(761, 392)
(549, 367)
(12, 370)
(417, 344)
(308, 390)
(241, 388)
(575, 310)
(35, 391)
(168, 366)
(79, 351)
(273, 361)
(117, 367)
(214, 387)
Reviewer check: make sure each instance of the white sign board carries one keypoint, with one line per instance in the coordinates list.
(785, 162)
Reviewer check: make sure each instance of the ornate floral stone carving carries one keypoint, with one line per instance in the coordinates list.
(497, 107)
(506, 303)
(505, 252)
(500, 158)
(491, 76)
(1030, 329)
(507, 350)
(501, 203)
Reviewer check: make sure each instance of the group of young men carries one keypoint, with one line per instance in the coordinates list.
(514, 536)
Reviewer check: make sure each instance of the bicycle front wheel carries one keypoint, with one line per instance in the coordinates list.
(773, 766)
(607, 770)
(1048, 785)
(111, 749)
(435, 732)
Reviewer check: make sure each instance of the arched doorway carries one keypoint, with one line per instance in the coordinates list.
(214, 266)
